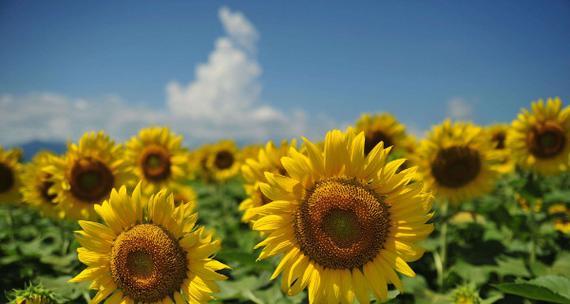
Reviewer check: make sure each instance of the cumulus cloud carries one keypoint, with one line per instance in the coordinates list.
(459, 109)
(223, 101)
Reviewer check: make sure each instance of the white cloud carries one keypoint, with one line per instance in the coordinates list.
(223, 101)
(459, 109)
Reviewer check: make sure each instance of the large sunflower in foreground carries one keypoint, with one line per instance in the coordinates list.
(148, 251)
(457, 161)
(383, 127)
(344, 222)
(540, 140)
(157, 158)
(498, 134)
(37, 189)
(86, 175)
(223, 160)
(9, 176)
(268, 159)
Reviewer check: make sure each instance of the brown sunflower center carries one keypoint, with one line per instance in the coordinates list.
(7, 179)
(91, 180)
(341, 223)
(156, 163)
(147, 263)
(499, 140)
(224, 160)
(547, 140)
(456, 166)
(374, 138)
(44, 189)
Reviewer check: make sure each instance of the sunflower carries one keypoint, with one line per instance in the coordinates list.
(457, 161)
(86, 175)
(383, 127)
(10, 182)
(148, 251)
(183, 193)
(253, 171)
(251, 151)
(561, 215)
(498, 136)
(343, 221)
(223, 160)
(540, 140)
(38, 190)
(157, 158)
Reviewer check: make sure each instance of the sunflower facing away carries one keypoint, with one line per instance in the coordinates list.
(148, 251)
(157, 158)
(223, 160)
(498, 135)
(457, 161)
(86, 175)
(9, 176)
(37, 189)
(540, 140)
(268, 159)
(383, 127)
(344, 222)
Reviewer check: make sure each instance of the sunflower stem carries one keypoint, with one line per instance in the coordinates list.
(443, 244)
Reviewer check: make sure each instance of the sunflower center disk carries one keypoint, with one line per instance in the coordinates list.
(499, 140)
(147, 263)
(224, 160)
(342, 224)
(374, 138)
(156, 163)
(455, 167)
(6, 178)
(44, 189)
(91, 180)
(546, 141)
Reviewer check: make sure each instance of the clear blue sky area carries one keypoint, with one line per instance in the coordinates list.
(334, 57)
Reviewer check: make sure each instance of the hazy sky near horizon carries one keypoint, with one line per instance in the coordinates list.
(260, 70)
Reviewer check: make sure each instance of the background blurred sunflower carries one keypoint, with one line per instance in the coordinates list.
(253, 171)
(37, 189)
(384, 127)
(86, 175)
(498, 135)
(157, 158)
(540, 140)
(223, 160)
(10, 180)
(148, 251)
(457, 161)
(344, 222)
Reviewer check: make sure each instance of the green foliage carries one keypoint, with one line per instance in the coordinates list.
(555, 289)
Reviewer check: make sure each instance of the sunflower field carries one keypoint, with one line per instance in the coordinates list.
(467, 214)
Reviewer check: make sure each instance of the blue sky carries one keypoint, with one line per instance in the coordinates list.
(322, 63)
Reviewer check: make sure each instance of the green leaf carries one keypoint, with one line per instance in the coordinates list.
(511, 266)
(554, 289)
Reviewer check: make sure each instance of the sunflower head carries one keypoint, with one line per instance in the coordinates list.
(10, 171)
(498, 133)
(268, 159)
(344, 221)
(148, 250)
(38, 190)
(540, 138)
(223, 160)
(157, 158)
(457, 161)
(85, 176)
(33, 294)
(385, 128)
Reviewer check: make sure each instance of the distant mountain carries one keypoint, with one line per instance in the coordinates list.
(35, 146)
